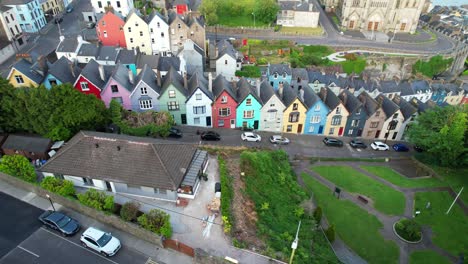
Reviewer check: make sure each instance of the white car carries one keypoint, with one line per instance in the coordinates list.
(250, 136)
(278, 139)
(378, 145)
(100, 241)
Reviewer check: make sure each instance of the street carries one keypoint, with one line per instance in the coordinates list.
(24, 240)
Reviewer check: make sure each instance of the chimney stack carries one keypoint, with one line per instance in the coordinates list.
(158, 77)
(280, 90)
(257, 85)
(345, 97)
(101, 72)
(72, 69)
(210, 82)
(130, 77)
(301, 94)
(185, 80)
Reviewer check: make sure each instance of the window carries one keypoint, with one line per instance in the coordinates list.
(249, 114)
(317, 108)
(198, 110)
(6, 18)
(12, 17)
(355, 123)
(103, 23)
(131, 40)
(22, 17)
(293, 117)
(336, 121)
(272, 105)
(275, 75)
(162, 34)
(220, 123)
(178, 25)
(225, 62)
(377, 114)
(196, 121)
(146, 104)
(358, 112)
(84, 86)
(136, 24)
(224, 99)
(350, 132)
(272, 115)
(248, 101)
(173, 106)
(315, 119)
(118, 100)
(105, 34)
(311, 129)
(141, 33)
(143, 90)
(289, 128)
(19, 79)
(158, 24)
(284, 75)
(198, 96)
(118, 4)
(99, 4)
(114, 88)
(172, 94)
(338, 110)
(332, 131)
(395, 115)
(295, 106)
(392, 125)
(129, 29)
(374, 124)
(224, 111)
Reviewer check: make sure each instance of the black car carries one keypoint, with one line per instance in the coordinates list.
(55, 220)
(175, 132)
(210, 135)
(333, 142)
(357, 144)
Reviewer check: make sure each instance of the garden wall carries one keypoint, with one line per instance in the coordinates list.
(111, 220)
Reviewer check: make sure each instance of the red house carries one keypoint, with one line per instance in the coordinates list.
(224, 103)
(180, 7)
(93, 78)
(109, 30)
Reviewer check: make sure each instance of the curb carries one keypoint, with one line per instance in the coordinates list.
(404, 240)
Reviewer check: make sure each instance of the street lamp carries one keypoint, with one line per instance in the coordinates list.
(394, 31)
(50, 200)
(294, 243)
(254, 17)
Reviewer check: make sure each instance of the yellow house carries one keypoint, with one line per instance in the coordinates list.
(294, 114)
(454, 94)
(137, 33)
(23, 74)
(338, 115)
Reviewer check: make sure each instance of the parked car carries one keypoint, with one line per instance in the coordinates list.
(90, 25)
(250, 136)
(100, 241)
(175, 132)
(69, 8)
(210, 135)
(378, 145)
(332, 142)
(356, 143)
(55, 220)
(400, 147)
(278, 139)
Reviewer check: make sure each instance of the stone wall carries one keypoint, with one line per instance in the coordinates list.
(111, 220)
(239, 30)
(400, 67)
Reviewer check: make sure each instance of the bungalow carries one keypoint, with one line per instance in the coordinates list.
(294, 114)
(174, 95)
(249, 107)
(279, 74)
(357, 116)
(31, 147)
(375, 116)
(271, 117)
(316, 116)
(26, 74)
(129, 165)
(338, 115)
(62, 71)
(199, 100)
(93, 78)
(119, 87)
(224, 103)
(146, 91)
(394, 118)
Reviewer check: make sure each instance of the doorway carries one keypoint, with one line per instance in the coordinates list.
(377, 134)
(183, 118)
(208, 121)
(299, 128)
(320, 131)
(233, 123)
(340, 131)
(256, 124)
(108, 186)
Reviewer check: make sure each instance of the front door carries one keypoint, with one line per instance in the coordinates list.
(256, 124)
(369, 26)
(90, 19)
(183, 118)
(208, 121)
(376, 25)
(359, 132)
(340, 132)
(233, 123)
(377, 134)
(299, 128)
(351, 24)
(320, 131)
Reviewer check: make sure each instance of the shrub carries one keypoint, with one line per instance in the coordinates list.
(129, 211)
(156, 221)
(249, 71)
(408, 229)
(226, 195)
(62, 187)
(18, 166)
(262, 61)
(330, 233)
(318, 215)
(97, 200)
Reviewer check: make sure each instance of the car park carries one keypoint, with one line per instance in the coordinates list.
(55, 220)
(210, 135)
(278, 139)
(100, 241)
(250, 136)
(378, 145)
(175, 132)
(356, 143)
(333, 142)
(400, 147)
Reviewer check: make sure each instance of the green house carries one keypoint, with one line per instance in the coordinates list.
(173, 96)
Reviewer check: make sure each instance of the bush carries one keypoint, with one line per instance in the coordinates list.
(249, 71)
(408, 229)
(226, 195)
(330, 233)
(262, 61)
(156, 221)
(62, 187)
(129, 211)
(97, 200)
(318, 215)
(18, 166)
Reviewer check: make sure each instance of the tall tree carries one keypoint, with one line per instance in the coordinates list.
(209, 9)
(7, 101)
(442, 133)
(266, 10)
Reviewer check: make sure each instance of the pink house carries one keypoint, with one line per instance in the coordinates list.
(109, 30)
(224, 103)
(119, 87)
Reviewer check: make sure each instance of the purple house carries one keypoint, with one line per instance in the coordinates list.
(119, 87)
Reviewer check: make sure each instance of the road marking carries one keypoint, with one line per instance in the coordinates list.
(78, 245)
(151, 261)
(34, 254)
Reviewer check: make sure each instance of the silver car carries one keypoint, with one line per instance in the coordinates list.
(278, 139)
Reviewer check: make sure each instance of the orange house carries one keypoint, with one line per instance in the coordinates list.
(110, 30)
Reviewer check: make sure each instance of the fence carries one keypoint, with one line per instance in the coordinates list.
(179, 246)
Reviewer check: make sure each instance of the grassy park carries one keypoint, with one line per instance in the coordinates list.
(400, 180)
(427, 257)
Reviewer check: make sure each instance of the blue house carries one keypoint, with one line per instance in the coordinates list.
(357, 115)
(279, 74)
(28, 13)
(316, 116)
(62, 71)
(438, 93)
(249, 107)
(129, 59)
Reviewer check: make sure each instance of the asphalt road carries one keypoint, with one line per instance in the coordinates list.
(23, 240)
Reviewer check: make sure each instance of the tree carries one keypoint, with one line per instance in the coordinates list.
(7, 101)
(129, 211)
(209, 9)
(18, 166)
(435, 66)
(442, 133)
(266, 10)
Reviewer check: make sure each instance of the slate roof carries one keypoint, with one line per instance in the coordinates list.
(420, 85)
(62, 70)
(151, 60)
(25, 67)
(107, 53)
(266, 91)
(91, 72)
(197, 80)
(280, 69)
(294, 5)
(225, 47)
(174, 78)
(15, 2)
(388, 106)
(121, 75)
(155, 14)
(165, 63)
(405, 88)
(289, 94)
(389, 87)
(451, 87)
(350, 101)
(329, 98)
(244, 89)
(422, 107)
(68, 45)
(300, 73)
(27, 143)
(405, 107)
(220, 84)
(123, 159)
(88, 50)
(369, 104)
(148, 76)
(127, 57)
(310, 98)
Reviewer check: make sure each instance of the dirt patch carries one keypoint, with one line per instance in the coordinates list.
(408, 168)
(243, 209)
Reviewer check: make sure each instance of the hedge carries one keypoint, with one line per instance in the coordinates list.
(97, 200)
(58, 186)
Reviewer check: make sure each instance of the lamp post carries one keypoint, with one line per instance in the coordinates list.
(294, 243)
(394, 31)
(253, 13)
(50, 200)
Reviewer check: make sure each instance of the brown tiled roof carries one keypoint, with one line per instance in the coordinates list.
(125, 159)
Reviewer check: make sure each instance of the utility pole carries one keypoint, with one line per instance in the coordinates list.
(294, 243)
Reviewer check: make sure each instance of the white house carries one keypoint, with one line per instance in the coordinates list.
(297, 13)
(227, 60)
(121, 6)
(159, 34)
(419, 89)
(146, 91)
(12, 27)
(199, 100)
(392, 126)
(87, 52)
(271, 117)
(137, 33)
(409, 113)
(191, 57)
(69, 47)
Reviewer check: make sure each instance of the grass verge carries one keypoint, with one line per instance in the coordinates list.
(400, 180)
(302, 30)
(315, 159)
(427, 257)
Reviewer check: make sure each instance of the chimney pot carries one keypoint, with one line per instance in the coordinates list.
(210, 82)
(131, 77)
(101, 72)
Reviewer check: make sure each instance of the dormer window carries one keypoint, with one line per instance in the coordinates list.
(248, 101)
(284, 75)
(224, 99)
(295, 106)
(143, 90)
(275, 75)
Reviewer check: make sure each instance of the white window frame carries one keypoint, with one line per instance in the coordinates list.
(84, 86)
(143, 90)
(146, 104)
(171, 93)
(249, 114)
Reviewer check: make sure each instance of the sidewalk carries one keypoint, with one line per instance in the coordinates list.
(160, 255)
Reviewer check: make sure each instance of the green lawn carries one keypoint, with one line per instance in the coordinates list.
(386, 199)
(449, 231)
(400, 180)
(456, 179)
(242, 20)
(357, 228)
(427, 257)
